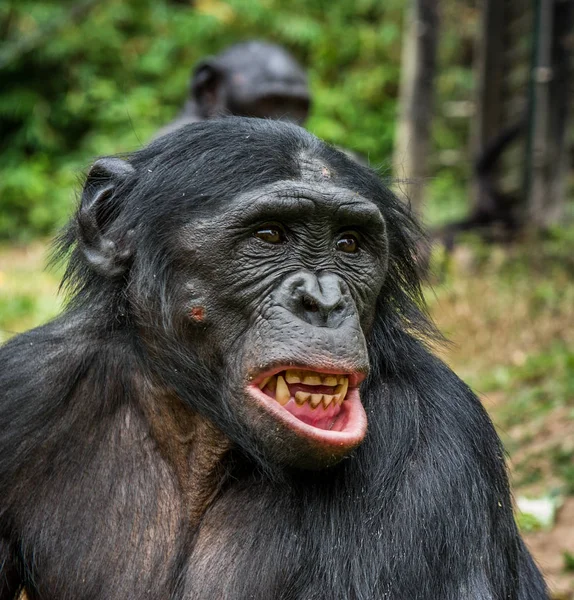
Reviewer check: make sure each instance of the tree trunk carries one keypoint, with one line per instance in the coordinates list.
(547, 140)
(489, 75)
(416, 98)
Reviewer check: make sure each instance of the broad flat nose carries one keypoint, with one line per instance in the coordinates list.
(321, 300)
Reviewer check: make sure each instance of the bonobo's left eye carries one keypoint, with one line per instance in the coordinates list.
(348, 241)
(272, 234)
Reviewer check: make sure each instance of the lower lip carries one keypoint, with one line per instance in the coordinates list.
(349, 425)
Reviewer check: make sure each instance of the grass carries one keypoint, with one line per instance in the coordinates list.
(28, 292)
(509, 314)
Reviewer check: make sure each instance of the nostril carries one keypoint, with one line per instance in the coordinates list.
(319, 300)
(309, 304)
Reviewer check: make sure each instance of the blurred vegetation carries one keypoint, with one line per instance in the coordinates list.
(81, 79)
(510, 315)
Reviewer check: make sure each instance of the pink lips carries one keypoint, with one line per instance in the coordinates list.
(337, 420)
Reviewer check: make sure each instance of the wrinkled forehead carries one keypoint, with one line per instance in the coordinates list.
(314, 196)
(315, 191)
(288, 199)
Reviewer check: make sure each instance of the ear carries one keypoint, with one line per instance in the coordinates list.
(207, 87)
(106, 250)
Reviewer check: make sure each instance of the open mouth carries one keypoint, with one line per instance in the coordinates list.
(324, 406)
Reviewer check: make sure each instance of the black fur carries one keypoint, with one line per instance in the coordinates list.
(90, 506)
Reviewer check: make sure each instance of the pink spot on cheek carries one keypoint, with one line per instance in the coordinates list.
(197, 313)
(325, 172)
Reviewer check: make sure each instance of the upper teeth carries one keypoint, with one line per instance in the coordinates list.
(278, 383)
(282, 393)
(313, 378)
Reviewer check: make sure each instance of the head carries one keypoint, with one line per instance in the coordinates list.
(251, 79)
(253, 263)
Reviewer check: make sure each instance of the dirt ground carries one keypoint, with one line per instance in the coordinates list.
(548, 547)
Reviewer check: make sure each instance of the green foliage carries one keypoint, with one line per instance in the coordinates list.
(544, 381)
(568, 561)
(28, 293)
(446, 198)
(19, 309)
(563, 462)
(527, 523)
(73, 89)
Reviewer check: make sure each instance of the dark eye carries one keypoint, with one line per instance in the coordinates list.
(272, 234)
(348, 242)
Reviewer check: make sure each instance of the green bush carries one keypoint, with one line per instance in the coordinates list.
(73, 90)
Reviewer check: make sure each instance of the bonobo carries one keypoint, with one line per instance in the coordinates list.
(249, 79)
(239, 401)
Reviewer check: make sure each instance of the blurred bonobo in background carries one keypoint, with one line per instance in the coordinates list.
(240, 401)
(249, 79)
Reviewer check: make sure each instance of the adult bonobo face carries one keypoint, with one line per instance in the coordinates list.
(289, 275)
(258, 255)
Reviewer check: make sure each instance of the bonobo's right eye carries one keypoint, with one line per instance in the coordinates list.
(272, 234)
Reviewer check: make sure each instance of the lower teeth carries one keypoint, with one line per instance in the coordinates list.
(316, 400)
